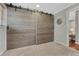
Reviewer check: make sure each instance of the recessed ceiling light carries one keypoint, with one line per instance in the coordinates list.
(37, 6)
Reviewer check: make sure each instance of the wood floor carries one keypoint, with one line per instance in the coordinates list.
(72, 44)
(46, 49)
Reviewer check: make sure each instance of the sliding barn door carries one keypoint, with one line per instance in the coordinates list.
(45, 28)
(21, 28)
(28, 28)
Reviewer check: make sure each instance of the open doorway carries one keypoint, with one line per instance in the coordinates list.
(73, 30)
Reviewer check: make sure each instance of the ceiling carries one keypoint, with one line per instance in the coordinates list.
(46, 7)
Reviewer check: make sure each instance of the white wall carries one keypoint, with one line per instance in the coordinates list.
(77, 27)
(60, 30)
(3, 30)
(0, 14)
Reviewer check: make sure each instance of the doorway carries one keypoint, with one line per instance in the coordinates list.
(73, 30)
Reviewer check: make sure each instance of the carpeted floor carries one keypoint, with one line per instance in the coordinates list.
(46, 49)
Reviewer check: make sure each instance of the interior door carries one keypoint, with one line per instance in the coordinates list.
(28, 28)
(21, 28)
(45, 28)
(3, 19)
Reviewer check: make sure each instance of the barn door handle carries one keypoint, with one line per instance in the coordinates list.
(7, 27)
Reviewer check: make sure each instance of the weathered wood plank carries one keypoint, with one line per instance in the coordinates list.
(27, 28)
(22, 28)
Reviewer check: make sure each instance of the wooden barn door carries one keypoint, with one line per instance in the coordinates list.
(28, 28)
(45, 28)
(21, 28)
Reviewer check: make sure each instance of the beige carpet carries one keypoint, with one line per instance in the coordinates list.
(47, 49)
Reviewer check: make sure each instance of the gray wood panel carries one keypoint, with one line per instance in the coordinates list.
(22, 28)
(45, 29)
(28, 28)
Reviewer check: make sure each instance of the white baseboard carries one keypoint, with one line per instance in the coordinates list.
(60, 43)
(2, 52)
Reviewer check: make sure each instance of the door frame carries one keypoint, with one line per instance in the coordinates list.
(76, 8)
(3, 27)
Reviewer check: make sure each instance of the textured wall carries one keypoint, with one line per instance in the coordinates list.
(28, 28)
